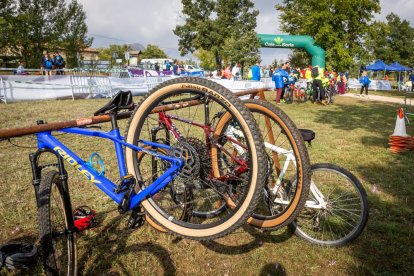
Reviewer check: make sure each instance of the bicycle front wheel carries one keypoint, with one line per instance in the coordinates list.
(58, 245)
(197, 113)
(287, 157)
(336, 211)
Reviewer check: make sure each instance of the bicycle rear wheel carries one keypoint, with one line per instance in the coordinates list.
(198, 186)
(303, 97)
(336, 211)
(287, 157)
(58, 245)
(288, 97)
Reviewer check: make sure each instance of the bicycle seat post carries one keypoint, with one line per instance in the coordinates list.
(114, 121)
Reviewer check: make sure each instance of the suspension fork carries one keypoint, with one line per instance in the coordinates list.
(63, 177)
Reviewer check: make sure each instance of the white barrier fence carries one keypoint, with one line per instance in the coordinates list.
(374, 85)
(22, 88)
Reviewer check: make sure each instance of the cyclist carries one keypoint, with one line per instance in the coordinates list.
(318, 90)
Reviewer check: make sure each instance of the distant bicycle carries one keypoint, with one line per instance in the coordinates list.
(295, 93)
(328, 92)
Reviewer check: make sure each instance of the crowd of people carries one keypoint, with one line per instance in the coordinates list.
(285, 75)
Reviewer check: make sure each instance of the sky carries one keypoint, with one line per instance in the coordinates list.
(152, 22)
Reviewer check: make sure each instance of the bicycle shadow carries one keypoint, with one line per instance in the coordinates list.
(111, 242)
(258, 239)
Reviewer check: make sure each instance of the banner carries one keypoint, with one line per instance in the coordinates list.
(35, 87)
(374, 85)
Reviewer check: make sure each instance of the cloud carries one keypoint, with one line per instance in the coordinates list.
(403, 8)
(133, 21)
(152, 22)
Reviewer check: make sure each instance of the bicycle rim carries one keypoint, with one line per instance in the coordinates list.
(338, 214)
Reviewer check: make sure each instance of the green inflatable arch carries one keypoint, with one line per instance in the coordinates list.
(295, 41)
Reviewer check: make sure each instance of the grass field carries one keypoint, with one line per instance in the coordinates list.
(350, 133)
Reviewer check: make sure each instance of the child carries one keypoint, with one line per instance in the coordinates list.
(365, 81)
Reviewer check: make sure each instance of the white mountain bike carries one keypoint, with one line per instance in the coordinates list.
(336, 209)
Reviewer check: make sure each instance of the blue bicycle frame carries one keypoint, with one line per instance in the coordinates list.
(47, 141)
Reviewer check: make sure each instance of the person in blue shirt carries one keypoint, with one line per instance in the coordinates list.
(412, 81)
(278, 77)
(365, 81)
(256, 71)
(175, 68)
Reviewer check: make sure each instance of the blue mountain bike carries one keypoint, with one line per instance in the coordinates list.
(155, 168)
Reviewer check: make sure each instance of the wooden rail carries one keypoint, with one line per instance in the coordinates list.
(17, 132)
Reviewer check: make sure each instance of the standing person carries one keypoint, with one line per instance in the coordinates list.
(235, 71)
(42, 61)
(226, 72)
(341, 83)
(308, 73)
(182, 69)
(318, 91)
(412, 81)
(266, 71)
(176, 69)
(365, 81)
(59, 62)
(285, 74)
(47, 64)
(157, 67)
(168, 66)
(277, 77)
(256, 71)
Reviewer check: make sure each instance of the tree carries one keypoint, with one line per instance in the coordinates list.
(153, 51)
(7, 11)
(338, 26)
(392, 40)
(118, 50)
(31, 26)
(299, 58)
(207, 60)
(74, 39)
(213, 25)
(247, 53)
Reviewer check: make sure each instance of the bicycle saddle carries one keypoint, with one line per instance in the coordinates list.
(122, 100)
(307, 134)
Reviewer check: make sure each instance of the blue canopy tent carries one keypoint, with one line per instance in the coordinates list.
(400, 68)
(379, 65)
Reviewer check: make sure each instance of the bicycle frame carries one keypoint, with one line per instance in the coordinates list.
(166, 120)
(318, 203)
(48, 143)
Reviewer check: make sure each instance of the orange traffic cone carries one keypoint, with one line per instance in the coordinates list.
(400, 129)
(399, 140)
